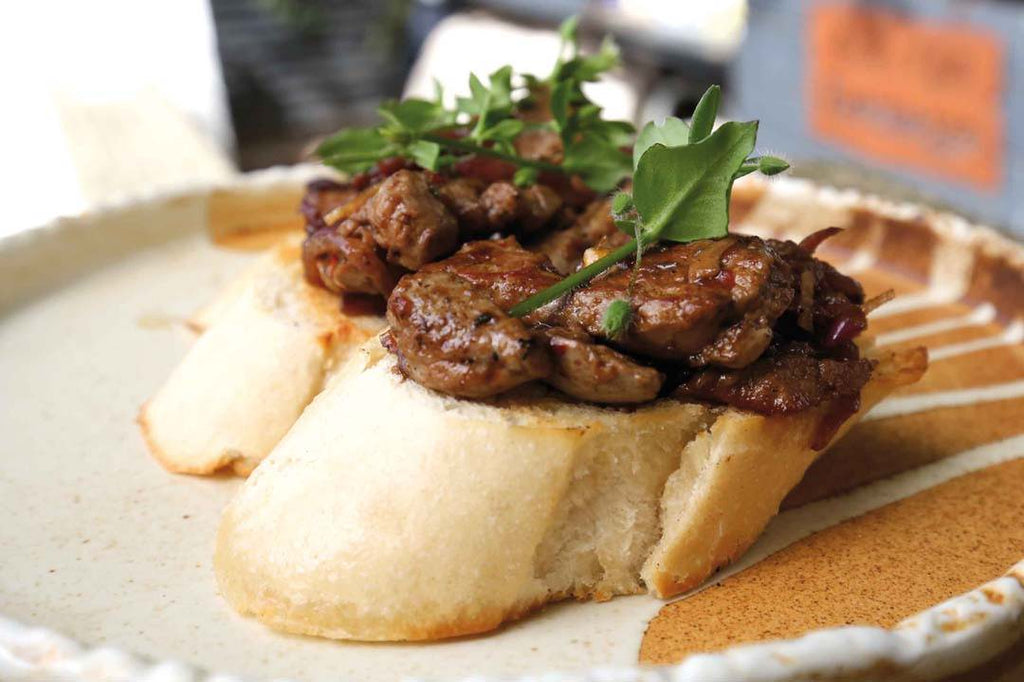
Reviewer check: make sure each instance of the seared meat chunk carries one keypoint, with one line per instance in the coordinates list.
(721, 316)
(506, 270)
(538, 205)
(790, 379)
(462, 197)
(484, 209)
(539, 144)
(321, 197)
(706, 302)
(451, 337)
(565, 247)
(410, 223)
(829, 305)
(346, 263)
(594, 372)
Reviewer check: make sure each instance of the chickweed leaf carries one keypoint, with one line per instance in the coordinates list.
(704, 114)
(673, 132)
(355, 149)
(600, 164)
(567, 31)
(414, 116)
(424, 153)
(681, 192)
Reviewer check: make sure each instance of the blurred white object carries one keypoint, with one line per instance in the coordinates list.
(106, 99)
(465, 43)
(712, 29)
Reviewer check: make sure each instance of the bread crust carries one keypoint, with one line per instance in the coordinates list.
(710, 519)
(267, 345)
(391, 512)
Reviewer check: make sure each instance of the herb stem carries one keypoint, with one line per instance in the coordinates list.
(578, 278)
(485, 151)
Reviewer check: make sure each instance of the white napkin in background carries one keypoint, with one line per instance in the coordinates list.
(464, 43)
(105, 99)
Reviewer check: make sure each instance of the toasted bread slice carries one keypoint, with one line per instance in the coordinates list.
(268, 341)
(392, 512)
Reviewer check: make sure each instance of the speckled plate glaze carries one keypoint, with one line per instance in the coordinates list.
(102, 546)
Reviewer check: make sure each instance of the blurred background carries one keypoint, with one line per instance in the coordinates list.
(112, 99)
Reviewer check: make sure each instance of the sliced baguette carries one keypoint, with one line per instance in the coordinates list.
(391, 512)
(269, 339)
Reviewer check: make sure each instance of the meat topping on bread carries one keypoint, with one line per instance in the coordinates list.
(758, 324)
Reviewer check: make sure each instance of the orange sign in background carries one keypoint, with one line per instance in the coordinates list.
(925, 96)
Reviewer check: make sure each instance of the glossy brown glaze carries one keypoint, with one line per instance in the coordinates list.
(450, 336)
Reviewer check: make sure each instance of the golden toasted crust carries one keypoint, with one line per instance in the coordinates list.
(748, 463)
(390, 512)
(250, 374)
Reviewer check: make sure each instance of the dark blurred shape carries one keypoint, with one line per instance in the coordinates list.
(299, 69)
(915, 92)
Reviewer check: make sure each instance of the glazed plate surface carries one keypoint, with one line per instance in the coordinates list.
(101, 545)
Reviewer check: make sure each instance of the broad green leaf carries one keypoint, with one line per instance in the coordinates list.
(704, 114)
(425, 153)
(682, 192)
(673, 132)
(356, 149)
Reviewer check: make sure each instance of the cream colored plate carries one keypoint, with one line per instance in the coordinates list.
(101, 545)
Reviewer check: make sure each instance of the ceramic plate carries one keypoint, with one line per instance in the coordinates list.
(105, 558)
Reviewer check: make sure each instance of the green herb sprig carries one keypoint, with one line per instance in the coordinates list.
(422, 130)
(682, 180)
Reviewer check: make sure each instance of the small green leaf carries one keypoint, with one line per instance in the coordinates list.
(704, 114)
(505, 129)
(414, 116)
(673, 132)
(591, 67)
(616, 318)
(621, 203)
(771, 165)
(356, 149)
(559, 104)
(599, 164)
(425, 153)
(525, 176)
(567, 30)
(682, 192)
